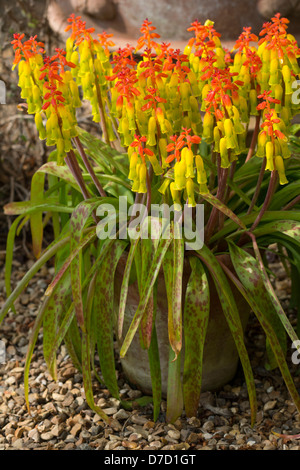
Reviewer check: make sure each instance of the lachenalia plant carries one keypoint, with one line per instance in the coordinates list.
(200, 126)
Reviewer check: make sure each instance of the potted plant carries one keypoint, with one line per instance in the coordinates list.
(168, 215)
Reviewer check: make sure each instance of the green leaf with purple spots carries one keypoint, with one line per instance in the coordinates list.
(224, 209)
(78, 222)
(174, 392)
(124, 286)
(291, 228)
(233, 319)
(251, 285)
(86, 353)
(173, 272)
(196, 315)
(104, 316)
(59, 303)
(152, 276)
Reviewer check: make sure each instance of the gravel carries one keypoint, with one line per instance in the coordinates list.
(61, 419)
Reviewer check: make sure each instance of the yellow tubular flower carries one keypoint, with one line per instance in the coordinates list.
(155, 165)
(190, 192)
(133, 160)
(280, 168)
(208, 125)
(151, 132)
(230, 134)
(179, 175)
(40, 126)
(176, 196)
(142, 178)
(269, 155)
(286, 73)
(224, 153)
(189, 159)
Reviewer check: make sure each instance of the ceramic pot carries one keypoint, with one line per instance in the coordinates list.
(220, 359)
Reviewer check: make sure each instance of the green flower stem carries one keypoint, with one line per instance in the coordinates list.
(89, 166)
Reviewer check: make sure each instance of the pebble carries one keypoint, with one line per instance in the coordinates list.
(174, 434)
(270, 405)
(121, 414)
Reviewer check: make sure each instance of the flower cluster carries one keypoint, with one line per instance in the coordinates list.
(156, 100)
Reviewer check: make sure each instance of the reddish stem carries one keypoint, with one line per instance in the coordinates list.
(89, 167)
(254, 138)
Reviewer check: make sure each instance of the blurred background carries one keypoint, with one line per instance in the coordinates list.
(21, 152)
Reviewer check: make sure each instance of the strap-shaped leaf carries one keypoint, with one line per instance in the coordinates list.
(153, 273)
(251, 277)
(154, 361)
(173, 274)
(31, 345)
(88, 238)
(78, 221)
(269, 216)
(233, 319)
(291, 228)
(61, 171)
(36, 219)
(104, 315)
(124, 286)
(51, 251)
(86, 355)
(147, 253)
(257, 297)
(174, 393)
(59, 303)
(277, 306)
(10, 240)
(224, 209)
(196, 315)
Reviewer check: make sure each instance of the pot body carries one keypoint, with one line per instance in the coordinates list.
(220, 357)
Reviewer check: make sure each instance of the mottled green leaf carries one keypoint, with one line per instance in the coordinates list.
(124, 286)
(276, 304)
(32, 342)
(224, 209)
(196, 315)
(291, 228)
(174, 393)
(154, 361)
(86, 358)
(104, 315)
(233, 319)
(251, 288)
(78, 221)
(51, 251)
(88, 238)
(61, 171)
(59, 303)
(153, 273)
(28, 207)
(10, 240)
(173, 272)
